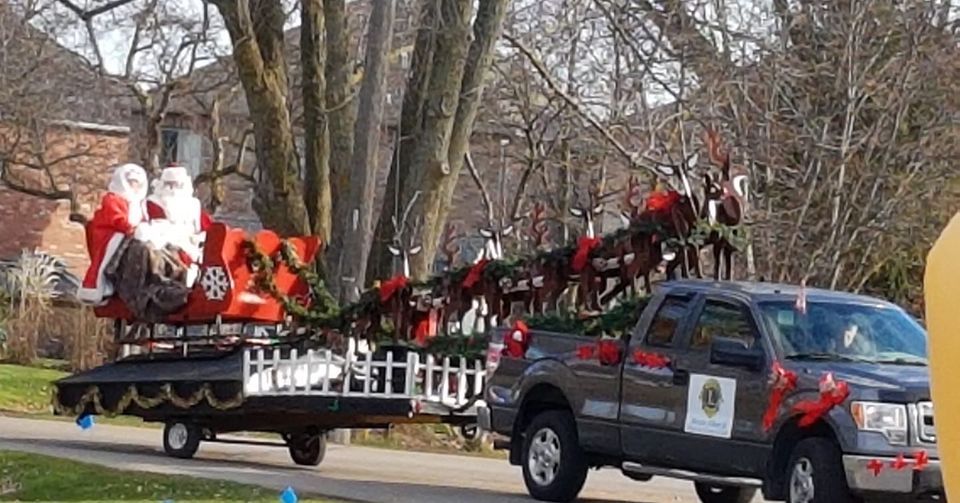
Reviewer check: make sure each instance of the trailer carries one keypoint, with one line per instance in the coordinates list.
(233, 361)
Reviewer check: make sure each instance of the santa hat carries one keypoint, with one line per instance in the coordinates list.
(123, 180)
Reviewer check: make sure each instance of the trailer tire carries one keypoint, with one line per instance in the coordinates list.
(554, 465)
(307, 449)
(181, 439)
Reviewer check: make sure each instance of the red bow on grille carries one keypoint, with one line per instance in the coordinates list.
(832, 393)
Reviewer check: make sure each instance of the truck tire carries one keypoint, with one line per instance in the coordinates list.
(815, 474)
(554, 466)
(181, 439)
(724, 494)
(307, 449)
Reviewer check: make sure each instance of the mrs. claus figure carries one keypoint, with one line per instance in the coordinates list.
(121, 211)
(174, 206)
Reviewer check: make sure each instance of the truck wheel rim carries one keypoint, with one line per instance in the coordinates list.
(801, 482)
(544, 457)
(177, 436)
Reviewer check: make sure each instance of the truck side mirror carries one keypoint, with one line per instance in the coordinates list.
(733, 352)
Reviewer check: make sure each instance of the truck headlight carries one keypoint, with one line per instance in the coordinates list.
(887, 418)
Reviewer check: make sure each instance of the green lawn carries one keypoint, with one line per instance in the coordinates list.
(26, 392)
(26, 389)
(32, 477)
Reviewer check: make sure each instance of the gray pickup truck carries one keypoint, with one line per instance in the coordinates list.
(685, 395)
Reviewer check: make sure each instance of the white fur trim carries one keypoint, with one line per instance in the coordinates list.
(103, 288)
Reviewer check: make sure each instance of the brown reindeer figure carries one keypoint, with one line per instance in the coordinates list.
(589, 277)
(724, 206)
(677, 210)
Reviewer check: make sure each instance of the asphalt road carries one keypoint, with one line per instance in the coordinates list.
(350, 473)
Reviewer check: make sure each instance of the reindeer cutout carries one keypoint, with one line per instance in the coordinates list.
(680, 218)
(723, 206)
(395, 293)
(591, 275)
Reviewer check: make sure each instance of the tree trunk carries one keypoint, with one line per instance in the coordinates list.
(354, 219)
(380, 263)
(431, 168)
(486, 32)
(258, 55)
(316, 139)
(341, 108)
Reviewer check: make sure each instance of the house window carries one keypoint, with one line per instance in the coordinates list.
(182, 147)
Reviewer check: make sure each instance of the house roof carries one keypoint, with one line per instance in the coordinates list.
(42, 79)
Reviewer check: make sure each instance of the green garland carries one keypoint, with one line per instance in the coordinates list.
(615, 322)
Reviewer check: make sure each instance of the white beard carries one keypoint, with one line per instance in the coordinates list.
(181, 225)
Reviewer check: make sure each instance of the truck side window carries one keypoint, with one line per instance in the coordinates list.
(667, 321)
(720, 319)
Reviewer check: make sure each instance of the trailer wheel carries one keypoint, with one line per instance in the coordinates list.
(470, 432)
(307, 449)
(181, 440)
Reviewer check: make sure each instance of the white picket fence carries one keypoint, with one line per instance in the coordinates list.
(268, 372)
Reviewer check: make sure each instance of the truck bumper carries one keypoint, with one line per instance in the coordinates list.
(907, 481)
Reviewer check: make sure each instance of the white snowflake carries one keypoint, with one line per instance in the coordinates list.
(215, 283)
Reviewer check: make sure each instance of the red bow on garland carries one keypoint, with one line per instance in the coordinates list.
(783, 381)
(650, 360)
(391, 286)
(584, 247)
(517, 340)
(473, 275)
(921, 460)
(832, 393)
(662, 200)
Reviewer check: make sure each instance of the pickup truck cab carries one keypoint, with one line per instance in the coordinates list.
(687, 391)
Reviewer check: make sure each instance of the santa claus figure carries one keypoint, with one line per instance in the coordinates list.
(120, 213)
(177, 216)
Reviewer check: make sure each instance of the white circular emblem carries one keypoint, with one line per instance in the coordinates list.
(215, 283)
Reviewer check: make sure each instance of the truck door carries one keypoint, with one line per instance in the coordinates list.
(725, 402)
(653, 396)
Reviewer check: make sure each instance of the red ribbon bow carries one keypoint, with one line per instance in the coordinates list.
(473, 275)
(832, 393)
(609, 352)
(662, 200)
(650, 360)
(875, 466)
(391, 286)
(517, 340)
(899, 463)
(584, 247)
(920, 460)
(586, 351)
(783, 382)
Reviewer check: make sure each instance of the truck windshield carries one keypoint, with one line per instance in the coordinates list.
(846, 332)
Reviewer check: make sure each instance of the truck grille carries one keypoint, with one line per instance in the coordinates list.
(925, 428)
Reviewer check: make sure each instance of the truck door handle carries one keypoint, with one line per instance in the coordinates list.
(681, 377)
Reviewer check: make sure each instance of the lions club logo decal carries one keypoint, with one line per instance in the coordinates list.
(711, 397)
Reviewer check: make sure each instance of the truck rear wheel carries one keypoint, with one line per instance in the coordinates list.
(815, 473)
(724, 494)
(554, 466)
(181, 439)
(307, 449)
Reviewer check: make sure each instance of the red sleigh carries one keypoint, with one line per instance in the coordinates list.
(225, 291)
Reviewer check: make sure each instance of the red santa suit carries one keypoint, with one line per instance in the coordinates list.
(120, 213)
(178, 216)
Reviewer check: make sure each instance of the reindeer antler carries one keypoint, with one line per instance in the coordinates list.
(538, 224)
(718, 154)
(398, 227)
(448, 244)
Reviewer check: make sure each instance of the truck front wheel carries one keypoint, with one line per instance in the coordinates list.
(554, 466)
(724, 494)
(815, 473)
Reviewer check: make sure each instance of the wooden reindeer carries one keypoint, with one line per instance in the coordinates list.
(395, 293)
(677, 210)
(586, 272)
(725, 200)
